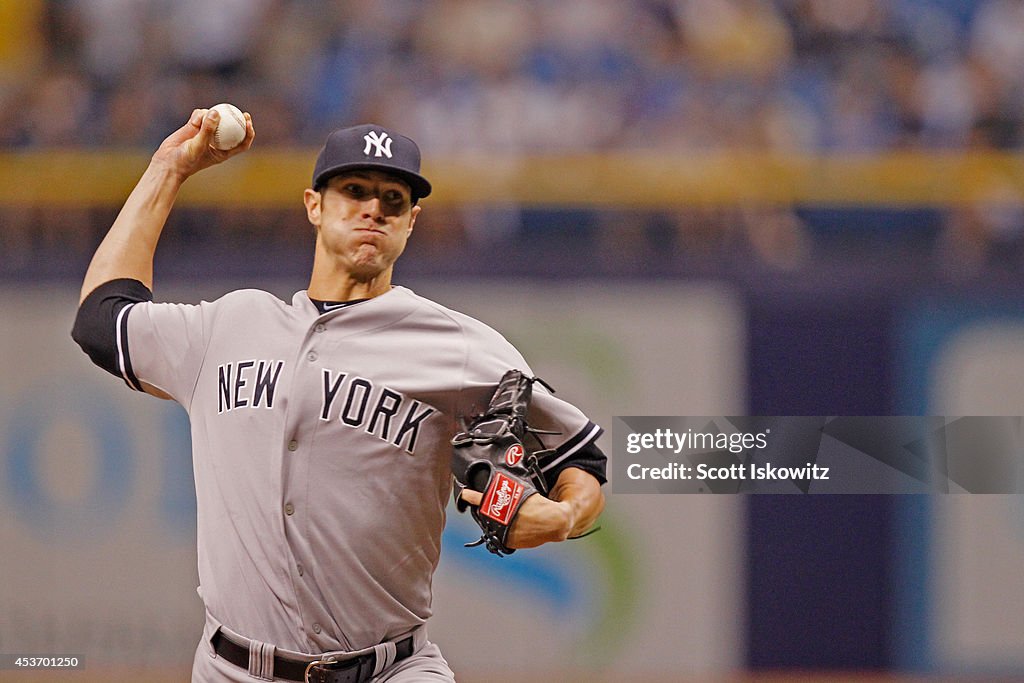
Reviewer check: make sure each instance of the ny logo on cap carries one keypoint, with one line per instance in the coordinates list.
(380, 142)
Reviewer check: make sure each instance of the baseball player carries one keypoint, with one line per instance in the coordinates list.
(322, 426)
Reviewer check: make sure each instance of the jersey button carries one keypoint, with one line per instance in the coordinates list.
(316, 628)
(289, 509)
(320, 327)
(300, 569)
(311, 356)
(293, 445)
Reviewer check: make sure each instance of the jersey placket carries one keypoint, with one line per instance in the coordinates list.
(301, 424)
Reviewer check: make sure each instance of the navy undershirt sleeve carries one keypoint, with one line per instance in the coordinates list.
(100, 329)
(587, 457)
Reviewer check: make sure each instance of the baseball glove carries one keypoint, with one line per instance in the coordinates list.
(490, 457)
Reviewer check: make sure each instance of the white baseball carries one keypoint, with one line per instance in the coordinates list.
(231, 129)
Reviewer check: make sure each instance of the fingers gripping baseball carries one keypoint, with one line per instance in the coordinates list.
(190, 149)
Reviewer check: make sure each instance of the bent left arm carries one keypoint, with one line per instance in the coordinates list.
(574, 505)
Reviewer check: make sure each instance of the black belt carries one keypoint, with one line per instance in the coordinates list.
(355, 670)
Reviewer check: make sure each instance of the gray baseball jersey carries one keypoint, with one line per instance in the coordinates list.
(321, 448)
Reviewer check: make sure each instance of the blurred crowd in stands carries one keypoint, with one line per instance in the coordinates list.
(513, 77)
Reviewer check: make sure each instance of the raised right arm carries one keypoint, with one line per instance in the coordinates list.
(121, 271)
(128, 248)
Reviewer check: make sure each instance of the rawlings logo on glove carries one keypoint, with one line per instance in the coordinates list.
(514, 455)
(490, 457)
(502, 498)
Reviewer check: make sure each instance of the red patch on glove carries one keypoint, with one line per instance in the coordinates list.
(501, 499)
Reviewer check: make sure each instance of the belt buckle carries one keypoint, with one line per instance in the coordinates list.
(317, 663)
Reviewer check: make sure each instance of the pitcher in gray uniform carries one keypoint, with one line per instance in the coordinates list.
(321, 426)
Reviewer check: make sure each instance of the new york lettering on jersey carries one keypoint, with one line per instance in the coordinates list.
(371, 408)
(356, 402)
(247, 383)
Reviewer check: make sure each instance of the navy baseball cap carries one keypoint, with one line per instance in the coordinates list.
(371, 147)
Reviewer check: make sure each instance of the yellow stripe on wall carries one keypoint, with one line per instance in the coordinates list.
(276, 178)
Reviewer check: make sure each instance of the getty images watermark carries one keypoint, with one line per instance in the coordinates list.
(880, 454)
